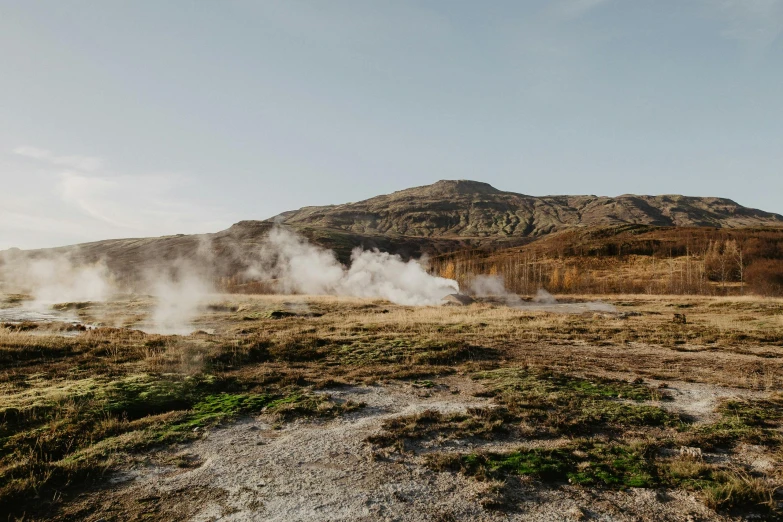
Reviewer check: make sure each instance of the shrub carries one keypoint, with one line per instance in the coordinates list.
(765, 276)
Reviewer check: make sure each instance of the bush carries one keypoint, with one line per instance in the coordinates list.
(765, 276)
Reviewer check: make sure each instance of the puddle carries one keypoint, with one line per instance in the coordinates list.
(24, 315)
(20, 315)
(569, 308)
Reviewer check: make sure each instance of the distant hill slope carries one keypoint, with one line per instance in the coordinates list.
(227, 253)
(444, 217)
(221, 254)
(471, 209)
(632, 258)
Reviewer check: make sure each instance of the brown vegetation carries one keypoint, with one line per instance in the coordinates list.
(633, 259)
(451, 216)
(75, 405)
(472, 209)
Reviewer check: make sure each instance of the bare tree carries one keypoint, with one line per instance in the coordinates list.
(740, 267)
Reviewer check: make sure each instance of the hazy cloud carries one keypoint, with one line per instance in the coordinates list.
(298, 266)
(139, 203)
(94, 196)
(83, 163)
(33, 152)
(756, 24)
(576, 8)
(70, 198)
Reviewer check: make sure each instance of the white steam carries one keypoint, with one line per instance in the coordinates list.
(547, 301)
(178, 299)
(298, 266)
(56, 280)
(544, 297)
(181, 287)
(178, 289)
(493, 285)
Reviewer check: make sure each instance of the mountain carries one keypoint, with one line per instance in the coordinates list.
(444, 217)
(471, 209)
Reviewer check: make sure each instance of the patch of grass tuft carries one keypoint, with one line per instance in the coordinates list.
(587, 463)
(558, 404)
(751, 421)
(51, 445)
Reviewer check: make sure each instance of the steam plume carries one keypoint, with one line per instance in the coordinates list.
(493, 285)
(180, 287)
(300, 267)
(178, 299)
(55, 279)
(544, 297)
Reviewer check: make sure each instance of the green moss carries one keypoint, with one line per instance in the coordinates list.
(370, 350)
(232, 403)
(760, 412)
(544, 382)
(561, 404)
(148, 395)
(589, 463)
(62, 443)
(752, 421)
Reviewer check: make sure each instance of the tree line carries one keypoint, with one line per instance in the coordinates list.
(632, 259)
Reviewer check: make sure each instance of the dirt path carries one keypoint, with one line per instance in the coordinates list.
(325, 471)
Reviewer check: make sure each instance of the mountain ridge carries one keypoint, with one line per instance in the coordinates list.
(447, 216)
(465, 208)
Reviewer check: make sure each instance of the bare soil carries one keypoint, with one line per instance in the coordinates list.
(321, 471)
(269, 409)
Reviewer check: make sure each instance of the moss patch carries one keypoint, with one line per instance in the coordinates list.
(587, 463)
(50, 442)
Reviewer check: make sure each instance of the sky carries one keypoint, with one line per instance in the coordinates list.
(146, 118)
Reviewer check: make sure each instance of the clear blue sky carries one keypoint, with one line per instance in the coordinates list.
(134, 118)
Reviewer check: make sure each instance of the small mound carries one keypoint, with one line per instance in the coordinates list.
(64, 307)
(457, 300)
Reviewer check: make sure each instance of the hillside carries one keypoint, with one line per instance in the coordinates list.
(471, 209)
(447, 216)
(224, 254)
(633, 259)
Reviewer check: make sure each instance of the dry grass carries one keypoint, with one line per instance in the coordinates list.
(73, 404)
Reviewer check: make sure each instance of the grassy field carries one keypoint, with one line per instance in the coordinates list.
(575, 398)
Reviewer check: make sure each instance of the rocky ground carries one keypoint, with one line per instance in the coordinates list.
(322, 471)
(305, 408)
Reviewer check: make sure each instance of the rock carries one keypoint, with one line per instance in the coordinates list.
(279, 314)
(63, 307)
(457, 300)
(690, 452)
